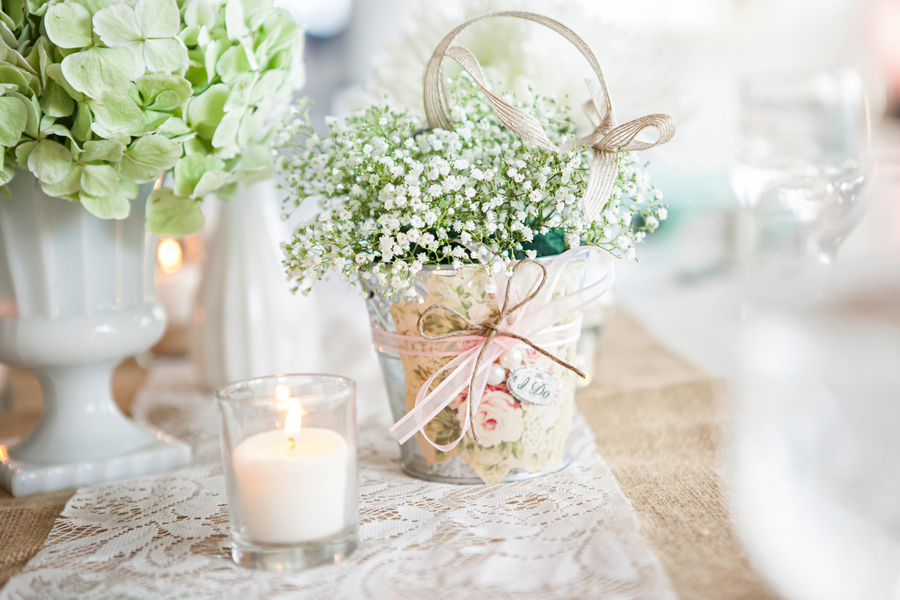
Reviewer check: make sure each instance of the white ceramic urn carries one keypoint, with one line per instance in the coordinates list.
(76, 298)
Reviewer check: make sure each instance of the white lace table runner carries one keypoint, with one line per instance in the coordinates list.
(568, 535)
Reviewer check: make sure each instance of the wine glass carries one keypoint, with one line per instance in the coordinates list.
(801, 170)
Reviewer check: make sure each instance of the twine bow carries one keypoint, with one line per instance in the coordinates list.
(492, 328)
(606, 140)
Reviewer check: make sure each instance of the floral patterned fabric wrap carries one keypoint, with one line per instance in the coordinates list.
(512, 432)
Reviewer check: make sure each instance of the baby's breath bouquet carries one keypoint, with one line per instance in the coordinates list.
(394, 197)
(98, 96)
(435, 222)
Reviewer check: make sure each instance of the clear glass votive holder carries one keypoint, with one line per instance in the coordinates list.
(289, 456)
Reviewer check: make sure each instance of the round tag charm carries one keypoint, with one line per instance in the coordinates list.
(532, 385)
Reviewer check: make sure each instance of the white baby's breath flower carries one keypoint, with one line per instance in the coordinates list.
(392, 202)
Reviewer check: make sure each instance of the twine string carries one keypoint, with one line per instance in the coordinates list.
(492, 328)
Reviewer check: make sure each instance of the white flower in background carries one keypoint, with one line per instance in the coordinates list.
(532, 59)
(498, 420)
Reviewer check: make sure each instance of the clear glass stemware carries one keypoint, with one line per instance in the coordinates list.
(801, 170)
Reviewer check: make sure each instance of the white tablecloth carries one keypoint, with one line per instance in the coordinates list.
(568, 535)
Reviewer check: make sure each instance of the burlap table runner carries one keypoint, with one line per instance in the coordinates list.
(657, 420)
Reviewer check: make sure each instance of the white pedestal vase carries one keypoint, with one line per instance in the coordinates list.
(247, 323)
(76, 298)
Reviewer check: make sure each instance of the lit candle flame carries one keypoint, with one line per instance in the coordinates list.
(169, 255)
(292, 424)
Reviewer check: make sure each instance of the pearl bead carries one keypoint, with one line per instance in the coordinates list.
(511, 358)
(496, 375)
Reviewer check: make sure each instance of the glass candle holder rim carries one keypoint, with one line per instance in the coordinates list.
(229, 393)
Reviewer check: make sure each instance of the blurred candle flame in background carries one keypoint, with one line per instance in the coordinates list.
(169, 255)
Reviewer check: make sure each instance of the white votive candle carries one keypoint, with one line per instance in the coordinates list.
(292, 484)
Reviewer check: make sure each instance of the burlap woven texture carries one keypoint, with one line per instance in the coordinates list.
(656, 418)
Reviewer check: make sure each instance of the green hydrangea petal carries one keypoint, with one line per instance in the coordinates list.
(155, 150)
(33, 110)
(60, 130)
(254, 164)
(119, 136)
(214, 50)
(211, 181)
(114, 206)
(135, 171)
(209, 107)
(108, 150)
(81, 127)
(68, 25)
(234, 20)
(199, 146)
(251, 129)
(226, 132)
(175, 130)
(167, 214)
(117, 24)
(97, 71)
(70, 184)
(37, 7)
(190, 169)
(158, 18)
(55, 101)
(129, 189)
(199, 12)
(49, 161)
(43, 59)
(150, 123)
(54, 72)
(7, 172)
(16, 76)
(166, 101)
(116, 111)
(137, 51)
(94, 6)
(240, 93)
(164, 56)
(99, 180)
(13, 119)
(190, 36)
(232, 63)
(15, 9)
(271, 80)
(149, 87)
(23, 151)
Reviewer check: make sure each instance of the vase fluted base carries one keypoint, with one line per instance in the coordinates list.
(22, 478)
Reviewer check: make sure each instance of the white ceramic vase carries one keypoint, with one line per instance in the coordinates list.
(247, 323)
(76, 298)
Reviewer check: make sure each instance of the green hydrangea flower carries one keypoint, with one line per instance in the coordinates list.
(98, 96)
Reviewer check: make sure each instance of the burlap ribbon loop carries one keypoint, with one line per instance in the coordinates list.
(606, 140)
(492, 328)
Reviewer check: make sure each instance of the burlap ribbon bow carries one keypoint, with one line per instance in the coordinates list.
(606, 140)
